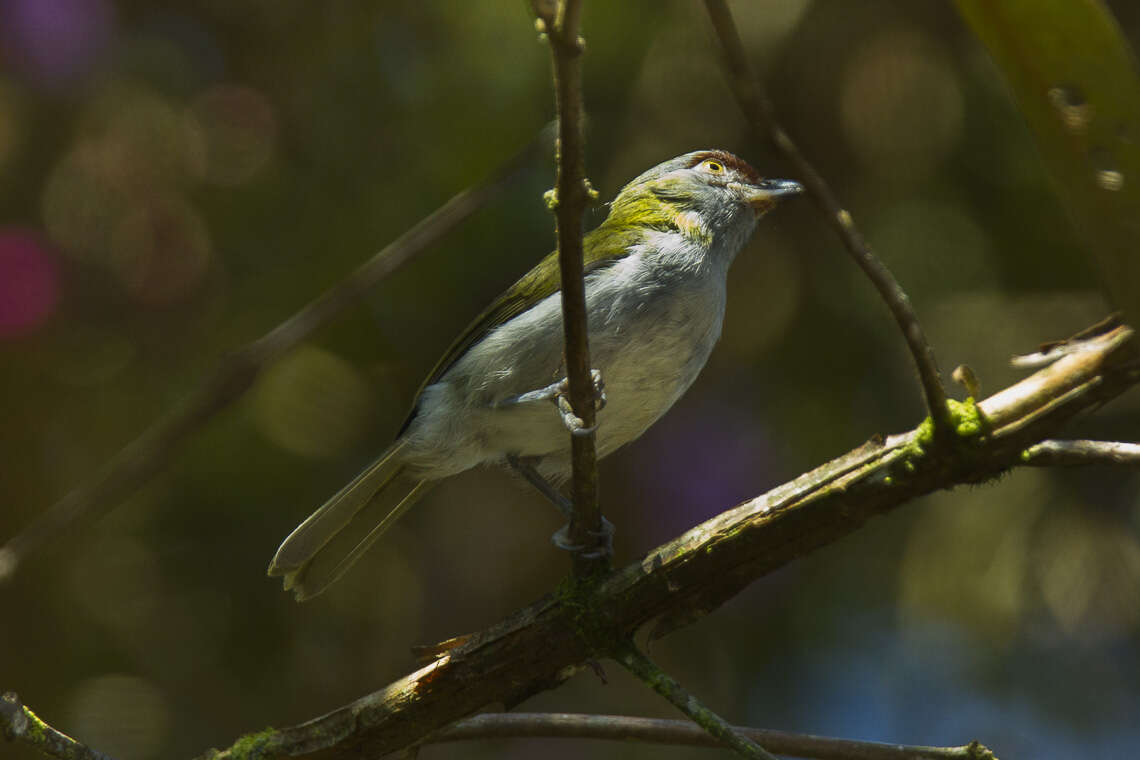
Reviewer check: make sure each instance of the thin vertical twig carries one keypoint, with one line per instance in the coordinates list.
(758, 110)
(571, 195)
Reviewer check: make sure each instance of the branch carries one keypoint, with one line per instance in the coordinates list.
(542, 645)
(758, 110)
(661, 682)
(153, 449)
(572, 193)
(1082, 453)
(686, 733)
(19, 724)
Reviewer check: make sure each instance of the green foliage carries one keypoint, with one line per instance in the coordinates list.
(1076, 83)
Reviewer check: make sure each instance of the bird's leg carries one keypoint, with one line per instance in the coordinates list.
(544, 486)
(559, 393)
(563, 504)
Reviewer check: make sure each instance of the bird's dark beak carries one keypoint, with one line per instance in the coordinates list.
(768, 192)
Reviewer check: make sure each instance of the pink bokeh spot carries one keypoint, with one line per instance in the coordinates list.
(55, 42)
(29, 283)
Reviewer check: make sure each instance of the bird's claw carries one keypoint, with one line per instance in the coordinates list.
(603, 547)
(573, 422)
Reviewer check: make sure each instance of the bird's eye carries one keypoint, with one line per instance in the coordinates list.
(716, 167)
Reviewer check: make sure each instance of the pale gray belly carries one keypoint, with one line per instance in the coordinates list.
(650, 345)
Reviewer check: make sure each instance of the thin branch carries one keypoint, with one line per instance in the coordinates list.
(636, 662)
(1082, 453)
(1054, 350)
(572, 193)
(153, 449)
(758, 110)
(542, 645)
(19, 724)
(687, 733)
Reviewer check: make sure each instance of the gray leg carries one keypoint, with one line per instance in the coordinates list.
(544, 486)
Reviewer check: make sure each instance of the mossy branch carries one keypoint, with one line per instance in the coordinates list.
(649, 673)
(19, 724)
(542, 645)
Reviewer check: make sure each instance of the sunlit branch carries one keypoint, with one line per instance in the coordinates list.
(1082, 453)
(20, 725)
(540, 646)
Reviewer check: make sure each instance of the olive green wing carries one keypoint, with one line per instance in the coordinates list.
(533, 287)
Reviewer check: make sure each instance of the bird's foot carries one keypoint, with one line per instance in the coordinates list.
(559, 393)
(602, 547)
(573, 422)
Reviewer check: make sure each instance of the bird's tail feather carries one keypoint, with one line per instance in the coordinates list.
(307, 558)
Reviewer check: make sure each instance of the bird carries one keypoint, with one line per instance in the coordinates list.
(656, 273)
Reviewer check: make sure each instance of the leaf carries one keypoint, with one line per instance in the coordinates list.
(1076, 83)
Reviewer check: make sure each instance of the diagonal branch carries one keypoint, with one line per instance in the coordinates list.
(19, 724)
(542, 645)
(148, 454)
(758, 110)
(572, 193)
(636, 662)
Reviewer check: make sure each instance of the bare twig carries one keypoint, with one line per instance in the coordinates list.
(153, 449)
(571, 195)
(1054, 350)
(687, 733)
(1082, 453)
(19, 724)
(636, 662)
(758, 110)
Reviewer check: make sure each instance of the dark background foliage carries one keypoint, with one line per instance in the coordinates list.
(176, 178)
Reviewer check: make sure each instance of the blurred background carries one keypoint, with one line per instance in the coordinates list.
(178, 177)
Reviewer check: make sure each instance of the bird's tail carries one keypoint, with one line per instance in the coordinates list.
(330, 540)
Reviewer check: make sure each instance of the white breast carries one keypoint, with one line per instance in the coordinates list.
(655, 316)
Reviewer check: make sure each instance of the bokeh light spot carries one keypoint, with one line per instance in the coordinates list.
(146, 125)
(234, 131)
(901, 105)
(312, 403)
(29, 283)
(85, 355)
(1088, 572)
(122, 715)
(84, 195)
(161, 251)
(11, 122)
(54, 42)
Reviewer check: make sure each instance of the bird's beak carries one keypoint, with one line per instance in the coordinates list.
(767, 193)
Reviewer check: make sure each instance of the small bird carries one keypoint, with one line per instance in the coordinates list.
(656, 274)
